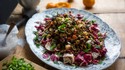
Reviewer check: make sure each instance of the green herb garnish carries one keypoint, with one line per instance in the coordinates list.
(93, 21)
(61, 27)
(17, 64)
(88, 45)
(37, 45)
(98, 46)
(86, 50)
(56, 62)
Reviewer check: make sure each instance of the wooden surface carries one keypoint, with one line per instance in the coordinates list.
(110, 11)
(116, 21)
(101, 6)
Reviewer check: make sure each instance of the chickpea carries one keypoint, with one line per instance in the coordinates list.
(67, 47)
(85, 33)
(77, 42)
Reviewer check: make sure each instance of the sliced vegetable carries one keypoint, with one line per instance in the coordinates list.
(17, 64)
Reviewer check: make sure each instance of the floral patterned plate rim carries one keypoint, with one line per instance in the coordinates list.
(112, 42)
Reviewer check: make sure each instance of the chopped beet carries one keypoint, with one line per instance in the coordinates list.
(54, 57)
(88, 57)
(46, 55)
(95, 61)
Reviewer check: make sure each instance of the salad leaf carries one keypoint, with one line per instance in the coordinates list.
(56, 62)
(37, 45)
(61, 27)
(93, 21)
(52, 46)
(35, 32)
(98, 46)
(100, 62)
(48, 59)
(36, 38)
(66, 20)
(59, 54)
(86, 50)
(88, 45)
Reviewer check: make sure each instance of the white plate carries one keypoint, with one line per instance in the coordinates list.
(112, 42)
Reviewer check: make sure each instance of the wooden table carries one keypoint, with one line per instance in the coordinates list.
(110, 11)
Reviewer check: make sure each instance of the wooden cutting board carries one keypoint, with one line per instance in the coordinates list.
(17, 55)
